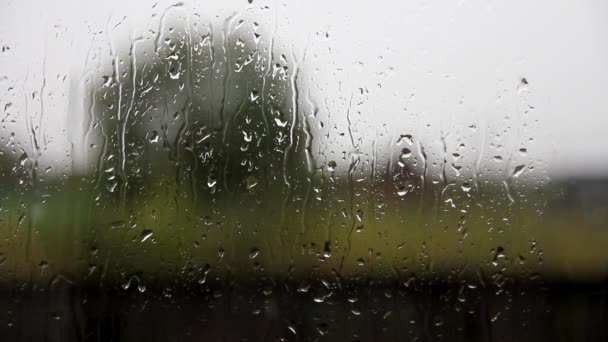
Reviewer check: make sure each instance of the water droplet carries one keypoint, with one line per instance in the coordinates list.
(327, 249)
(153, 137)
(251, 182)
(518, 171)
(304, 286)
(405, 154)
(331, 166)
(174, 73)
(254, 95)
(254, 253)
(146, 234)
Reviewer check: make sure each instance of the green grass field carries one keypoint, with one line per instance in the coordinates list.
(264, 234)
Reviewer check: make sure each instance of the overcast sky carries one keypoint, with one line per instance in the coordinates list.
(496, 76)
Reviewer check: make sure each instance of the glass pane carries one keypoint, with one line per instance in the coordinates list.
(275, 170)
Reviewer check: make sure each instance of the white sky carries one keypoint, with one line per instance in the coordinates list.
(431, 69)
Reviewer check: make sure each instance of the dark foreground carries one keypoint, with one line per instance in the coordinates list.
(307, 313)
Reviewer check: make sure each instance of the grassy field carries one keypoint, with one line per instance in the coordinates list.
(266, 234)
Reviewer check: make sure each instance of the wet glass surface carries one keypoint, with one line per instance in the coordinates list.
(267, 170)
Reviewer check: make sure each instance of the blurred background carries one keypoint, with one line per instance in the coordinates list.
(432, 171)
